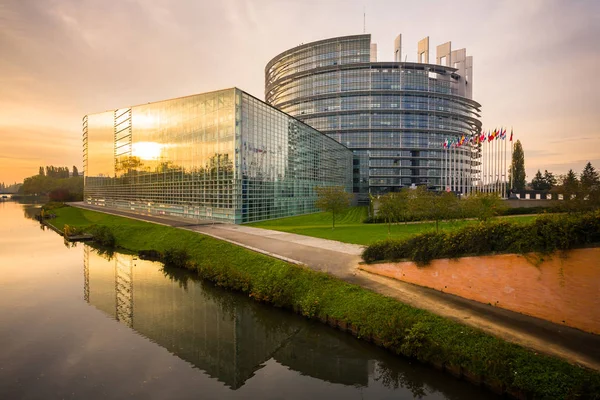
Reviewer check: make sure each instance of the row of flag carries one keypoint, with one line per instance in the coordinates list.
(482, 137)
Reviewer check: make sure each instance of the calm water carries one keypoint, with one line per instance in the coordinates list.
(77, 324)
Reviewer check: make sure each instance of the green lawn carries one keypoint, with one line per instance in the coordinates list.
(350, 229)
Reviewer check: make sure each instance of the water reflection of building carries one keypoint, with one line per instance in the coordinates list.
(222, 338)
(322, 355)
(226, 336)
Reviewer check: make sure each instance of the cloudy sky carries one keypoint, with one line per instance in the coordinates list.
(536, 63)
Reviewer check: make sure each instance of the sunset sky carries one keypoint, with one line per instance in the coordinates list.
(536, 63)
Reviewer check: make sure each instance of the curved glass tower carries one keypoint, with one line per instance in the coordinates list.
(394, 115)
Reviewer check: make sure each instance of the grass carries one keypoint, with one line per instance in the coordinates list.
(396, 326)
(350, 229)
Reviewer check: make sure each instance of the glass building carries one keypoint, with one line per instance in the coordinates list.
(394, 115)
(223, 156)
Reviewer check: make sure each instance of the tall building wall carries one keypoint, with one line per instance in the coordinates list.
(222, 155)
(393, 115)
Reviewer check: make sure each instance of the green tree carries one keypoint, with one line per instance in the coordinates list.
(589, 178)
(537, 183)
(75, 171)
(392, 207)
(517, 167)
(333, 199)
(589, 188)
(42, 173)
(484, 206)
(434, 206)
(569, 189)
(386, 209)
(549, 180)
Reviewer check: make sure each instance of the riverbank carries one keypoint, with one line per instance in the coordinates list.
(445, 344)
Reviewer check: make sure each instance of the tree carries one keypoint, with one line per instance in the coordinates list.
(386, 209)
(333, 199)
(549, 179)
(484, 206)
(589, 178)
(589, 187)
(537, 183)
(570, 188)
(392, 207)
(432, 205)
(75, 171)
(517, 167)
(42, 173)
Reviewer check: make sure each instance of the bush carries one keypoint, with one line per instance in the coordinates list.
(546, 234)
(103, 236)
(529, 210)
(152, 255)
(176, 257)
(53, 205)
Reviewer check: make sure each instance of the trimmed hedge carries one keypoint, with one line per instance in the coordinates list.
(546, 234)
(507, 211)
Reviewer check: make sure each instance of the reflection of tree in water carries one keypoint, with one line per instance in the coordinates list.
(31, 212)
(272, 322)
(104, 252)
(69, 244)
(177, 275)
(393, 378)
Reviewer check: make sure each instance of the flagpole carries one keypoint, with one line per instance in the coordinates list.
(443, 173)
(485, 166)
(445, 168)
(504, 171)
(451, 169)
(482, 166)
(454, 167)
(496, 157)
(495, 165)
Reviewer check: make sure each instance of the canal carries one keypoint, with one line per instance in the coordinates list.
(75, 323)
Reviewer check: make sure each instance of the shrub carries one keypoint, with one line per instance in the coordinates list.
(152, 255)
(176, 257)
(53, 205)
(546, 234)
(103, 236)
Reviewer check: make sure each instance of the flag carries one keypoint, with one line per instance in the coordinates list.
(511, 134)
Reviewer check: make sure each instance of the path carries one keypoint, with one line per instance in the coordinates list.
(341, 260)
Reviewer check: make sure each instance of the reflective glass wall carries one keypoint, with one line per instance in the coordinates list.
(223, 156)
(393, 115)
(282, 162)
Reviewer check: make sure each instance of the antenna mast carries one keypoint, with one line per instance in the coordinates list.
(364, 20)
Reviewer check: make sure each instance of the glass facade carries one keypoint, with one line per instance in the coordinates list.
(224, 156)
(393, 115)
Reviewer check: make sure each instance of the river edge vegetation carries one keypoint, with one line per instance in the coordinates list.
(402, 329)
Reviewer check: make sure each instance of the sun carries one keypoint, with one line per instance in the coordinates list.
(147, 150)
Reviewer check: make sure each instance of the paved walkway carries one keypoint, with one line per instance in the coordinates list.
(341, 260)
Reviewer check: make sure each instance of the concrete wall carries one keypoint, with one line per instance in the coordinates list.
(531, 203)
(398, 49)
(423, 50)
(444, 51)
(563, 288)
